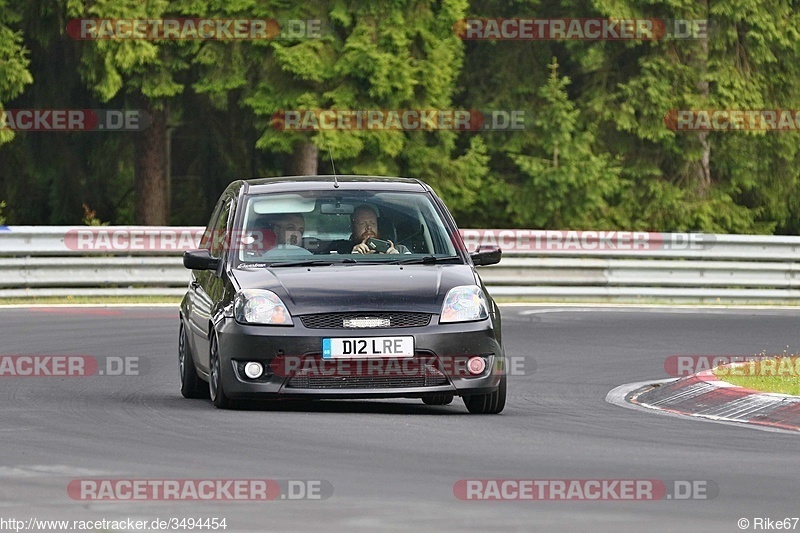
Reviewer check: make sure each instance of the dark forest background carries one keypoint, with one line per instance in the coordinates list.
(596, 153)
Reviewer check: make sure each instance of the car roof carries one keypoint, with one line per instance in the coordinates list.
(345, 183)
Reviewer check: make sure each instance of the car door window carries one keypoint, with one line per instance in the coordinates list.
(205, 240)
(220, 236)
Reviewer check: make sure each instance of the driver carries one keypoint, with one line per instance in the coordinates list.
(364, 225)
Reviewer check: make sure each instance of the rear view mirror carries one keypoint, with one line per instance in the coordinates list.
(336, 209)
(199, 260)
(486, 257)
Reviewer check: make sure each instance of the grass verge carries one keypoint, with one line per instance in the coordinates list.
(774, 374)
(96, 300)
(706, 302)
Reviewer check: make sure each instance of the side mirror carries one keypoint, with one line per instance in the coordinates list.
(486, 257)
(200, 260)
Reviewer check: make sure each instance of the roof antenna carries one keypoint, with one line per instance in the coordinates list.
(335, 181)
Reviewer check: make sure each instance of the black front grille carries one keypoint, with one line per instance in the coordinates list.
(422, 376)
(337, 320)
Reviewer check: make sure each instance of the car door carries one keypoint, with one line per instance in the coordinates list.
(205, 283)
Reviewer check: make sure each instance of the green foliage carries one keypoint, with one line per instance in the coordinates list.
(464, 182)
(375, 56)
(148, 67)
(14, 61)
(596, 153)
(567, 184)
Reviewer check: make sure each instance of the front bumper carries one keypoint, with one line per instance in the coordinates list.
(288, 352)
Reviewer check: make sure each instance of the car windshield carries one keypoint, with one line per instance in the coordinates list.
(318, 228)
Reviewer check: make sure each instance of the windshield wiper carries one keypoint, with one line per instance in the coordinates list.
(426, 260)
(311, 262)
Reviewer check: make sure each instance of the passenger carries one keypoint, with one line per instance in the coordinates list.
(260, 237)
(289, 229)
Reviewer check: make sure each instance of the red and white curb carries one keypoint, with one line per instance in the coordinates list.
(704, 396)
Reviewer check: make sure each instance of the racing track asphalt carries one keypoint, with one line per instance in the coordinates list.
(393, 464)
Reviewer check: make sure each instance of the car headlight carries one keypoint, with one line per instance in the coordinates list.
(464, 304)
(257, 306)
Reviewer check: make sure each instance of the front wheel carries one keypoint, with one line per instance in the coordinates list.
(488, 404)
(191, 384)
(215, 389)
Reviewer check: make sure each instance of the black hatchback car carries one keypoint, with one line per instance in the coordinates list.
(338, 287)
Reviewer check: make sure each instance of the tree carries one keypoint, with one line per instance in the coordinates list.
(568, 185)
(144, 71)
(371, 56)
(14, 74)
(697, 180)
(596, 152)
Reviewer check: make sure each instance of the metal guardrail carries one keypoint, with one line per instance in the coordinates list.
(537, 264)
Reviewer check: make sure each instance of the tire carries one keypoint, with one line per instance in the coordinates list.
(438, 399)
(192, 386)
(488, 404)
(215, 389)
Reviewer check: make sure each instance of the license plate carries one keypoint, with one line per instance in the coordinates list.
(351, 348)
